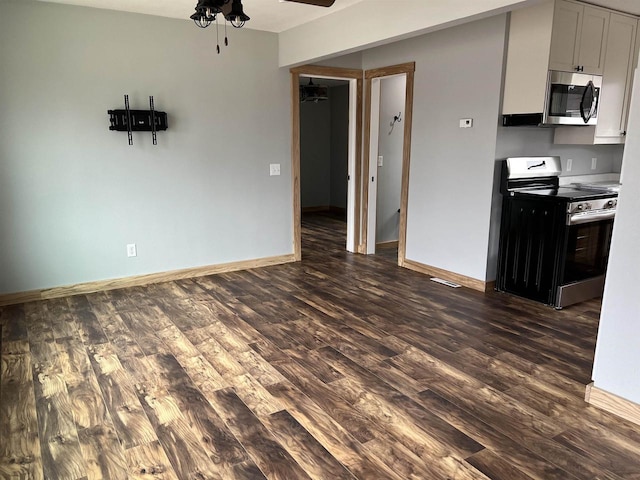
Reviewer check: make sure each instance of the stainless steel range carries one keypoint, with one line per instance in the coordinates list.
(554, 241)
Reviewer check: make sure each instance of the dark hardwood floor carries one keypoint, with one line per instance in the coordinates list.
(339, 367)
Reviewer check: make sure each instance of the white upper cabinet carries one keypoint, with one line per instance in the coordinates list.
(527, 67)
(617, 79)
(571, 36)
(615, 95)
(579, 39)
(567, 27)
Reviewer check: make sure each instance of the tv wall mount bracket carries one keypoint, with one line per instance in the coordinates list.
(130, 121)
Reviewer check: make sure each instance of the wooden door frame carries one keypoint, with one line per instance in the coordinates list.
(332, 72)
(409, 70)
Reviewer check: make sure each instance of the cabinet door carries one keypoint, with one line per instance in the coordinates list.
(593, 40)
(579, 38)
(617, 79)
(565, 39)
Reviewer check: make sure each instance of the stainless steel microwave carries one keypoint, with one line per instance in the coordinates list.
(571, 99)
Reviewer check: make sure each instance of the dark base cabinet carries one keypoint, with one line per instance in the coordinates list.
(530, 236)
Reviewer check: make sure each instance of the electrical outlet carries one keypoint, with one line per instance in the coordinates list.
(131, 250)
(380, 160)
(274, 169)
(466, 122)
(569, 164)
(594, 163)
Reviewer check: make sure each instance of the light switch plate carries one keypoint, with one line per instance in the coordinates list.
(380, 160)
(131, 250)
(274, 169)
(466, 122)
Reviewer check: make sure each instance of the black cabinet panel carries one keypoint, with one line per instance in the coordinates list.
(531, 236)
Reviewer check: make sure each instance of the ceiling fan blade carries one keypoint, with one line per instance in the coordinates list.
(318, 3)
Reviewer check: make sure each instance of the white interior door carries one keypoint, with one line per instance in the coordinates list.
(373, 166)
(351, 184)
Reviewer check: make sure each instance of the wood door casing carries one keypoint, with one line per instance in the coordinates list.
(409, 70)
(331, 72)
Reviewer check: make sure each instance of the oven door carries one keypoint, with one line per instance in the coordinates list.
(572, 99)
(585, 260)
(531, 234)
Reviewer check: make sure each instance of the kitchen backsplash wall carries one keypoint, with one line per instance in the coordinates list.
(617, 164)
(534, 141)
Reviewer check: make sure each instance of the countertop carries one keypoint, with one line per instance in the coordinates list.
(599, 177)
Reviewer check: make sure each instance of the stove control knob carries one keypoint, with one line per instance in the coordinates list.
(580, 207)
(587, 206)
(610, 204)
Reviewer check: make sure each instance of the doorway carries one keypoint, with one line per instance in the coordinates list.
(388, 124)
(324, 147)
(387, 137)
(353, 203)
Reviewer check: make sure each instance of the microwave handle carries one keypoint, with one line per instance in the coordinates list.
(586, 116)
(594, 104)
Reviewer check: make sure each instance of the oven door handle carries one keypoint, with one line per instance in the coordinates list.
(589, 217)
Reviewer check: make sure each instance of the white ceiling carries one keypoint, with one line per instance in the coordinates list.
(628, 6)
(268, 15)
(273, 15)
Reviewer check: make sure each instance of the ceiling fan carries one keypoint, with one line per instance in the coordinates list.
(233, 11)
(319, 3)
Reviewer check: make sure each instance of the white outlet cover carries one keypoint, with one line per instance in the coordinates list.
(569, 164)
(594, 163)
(274, 169)
(466, 122)
(131, 250)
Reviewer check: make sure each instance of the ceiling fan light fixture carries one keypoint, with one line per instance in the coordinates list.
(313, 93)
(236, 16)
(206, 12)
(200, 20)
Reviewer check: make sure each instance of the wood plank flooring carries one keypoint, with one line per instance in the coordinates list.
(339, 367)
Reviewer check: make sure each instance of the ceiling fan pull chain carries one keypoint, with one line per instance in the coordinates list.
(217, 37)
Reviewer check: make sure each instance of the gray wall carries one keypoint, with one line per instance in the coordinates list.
(353, 60)
(390, 146)
(339, 144)
(73, 193)
(315, 154)
(458, 75)
(617, 362)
